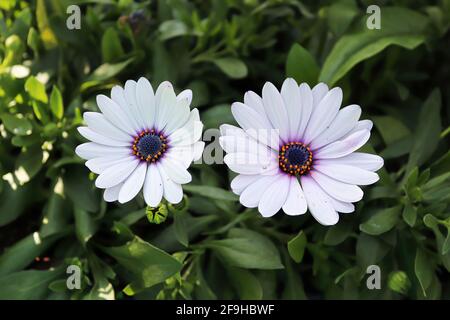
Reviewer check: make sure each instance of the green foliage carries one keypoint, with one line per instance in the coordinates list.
(209, 247)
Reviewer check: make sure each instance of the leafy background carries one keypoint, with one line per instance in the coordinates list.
(51, 216)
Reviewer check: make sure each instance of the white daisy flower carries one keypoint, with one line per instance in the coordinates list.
(142, 140)
(296, 151)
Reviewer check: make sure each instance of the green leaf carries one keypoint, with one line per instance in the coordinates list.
(181, 227)
(217, 115)
(149, 264)
(27, 285)
(36, 89)
(427, 131)
(301, 65)
(85, 226)
(56, 103)
(246, 284)
(365, 43)
(369, 250)
(29, 163)
(296, 247)
(247, 249)
(340, 15)
(211, 192)
(23, 252)
(111, 47)
(424, 270)
(390, 129)
(337, 233)
(105, 72)
(381, 222)
(232, 67)
(410, 214)
(172, 28)
(80, 189)
(17, 124)
(47, 35)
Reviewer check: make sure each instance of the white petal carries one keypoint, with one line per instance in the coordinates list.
(233, 144)
(185, 95)
(344, 122)
(173, 192)
(248, 163)
(198, 150)
(153, 186)
(361, 160)
(145, 98)
(98, 165)
(274, 197)
(133, 184)
(98, 123)
(254, 101)
(255, 125)
(115, 114)
(176, 170)
(275, 110)
(323, 114)
(166, 105)
(130, 97)
(348, 174)
(118, 96)
(90, 150)
(179, 116)
(101, 139)
(117, 173)
(184, 154)
(344, 207)
(190, 133)
(306, 108)
(319, 91)
(293, 103)
(251, 195)
(337, 189)
(343, 147)
(319, 203)
(295, 202)
(242, 181)
(230, 130)
(112, 194)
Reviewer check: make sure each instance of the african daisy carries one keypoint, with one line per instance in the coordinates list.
(142, 140)
(296, 151)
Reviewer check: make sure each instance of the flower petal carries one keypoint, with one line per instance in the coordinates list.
(117, 173)
(306, 108)
(180, 115)
(337, 189)
(348, 174)
(133, 108)
(319, 203)
(153, 186)
(133, 184)
(254, 101)
(242, 181)
(274, 197)
(173, 192)
(295, 202)
(251, 195)
(293, 103)
(118, 96)
(319, 91)
(344, 207)
(98, 165)
(166, 105)
(115, 114)
(112, 194)
(101, 139)
(248, 163)
(176, 170)
(323, 114)
(98, 123)
(343, 147)
(344, 122)
(361, 160)
(90, 150)
(185, 95)
(275, 110)
(145, 98)
(190, 133)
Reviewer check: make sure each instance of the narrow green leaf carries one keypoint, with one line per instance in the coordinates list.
(56, 103)
(424, 270)
(36, 89)
(381, 222)
(111, 47)
(232, 67)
